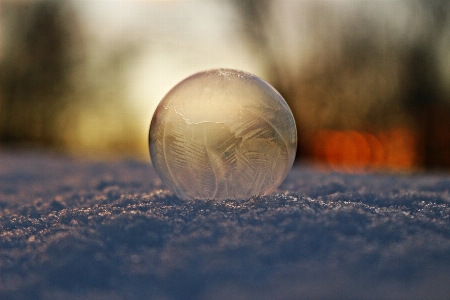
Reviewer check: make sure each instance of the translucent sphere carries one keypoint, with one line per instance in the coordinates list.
(222, 134)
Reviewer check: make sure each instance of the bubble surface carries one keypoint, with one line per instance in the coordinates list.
(222, 134)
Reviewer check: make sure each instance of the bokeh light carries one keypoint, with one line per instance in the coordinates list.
(355, 151)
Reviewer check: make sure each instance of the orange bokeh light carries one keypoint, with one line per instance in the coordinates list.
(355, 151)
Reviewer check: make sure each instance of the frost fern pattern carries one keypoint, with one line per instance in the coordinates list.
(222, 134)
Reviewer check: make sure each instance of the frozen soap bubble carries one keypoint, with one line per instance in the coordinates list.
(222, 134)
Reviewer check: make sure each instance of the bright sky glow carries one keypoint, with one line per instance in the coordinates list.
(175, 39)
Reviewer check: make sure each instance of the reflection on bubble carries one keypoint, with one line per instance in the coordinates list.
(222, 134)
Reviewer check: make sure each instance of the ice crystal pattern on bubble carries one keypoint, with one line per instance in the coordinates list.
(222, 134)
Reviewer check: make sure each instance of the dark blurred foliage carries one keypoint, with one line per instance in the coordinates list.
(424, 98)
(361, 77)
(42, 50)
(53, 93)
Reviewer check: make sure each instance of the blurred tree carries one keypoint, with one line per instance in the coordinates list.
(60, 90)
(41, 50)
(360, 72)
(424, 97)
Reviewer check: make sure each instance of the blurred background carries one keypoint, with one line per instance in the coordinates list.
(368, 81)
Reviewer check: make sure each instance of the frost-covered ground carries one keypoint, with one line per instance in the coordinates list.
(73, 229)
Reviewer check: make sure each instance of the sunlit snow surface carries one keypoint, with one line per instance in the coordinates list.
(73, 229)
(222, 134)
